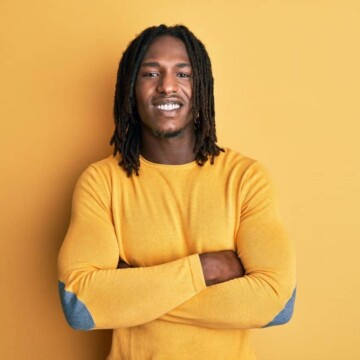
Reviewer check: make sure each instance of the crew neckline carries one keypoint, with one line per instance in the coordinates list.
(168, 166)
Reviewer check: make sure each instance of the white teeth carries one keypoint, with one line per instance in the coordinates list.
(168, 107)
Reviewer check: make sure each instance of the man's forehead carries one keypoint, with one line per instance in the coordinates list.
(167, 48)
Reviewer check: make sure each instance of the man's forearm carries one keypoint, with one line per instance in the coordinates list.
(217, 266)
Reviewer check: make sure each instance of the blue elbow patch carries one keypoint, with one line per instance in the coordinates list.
(285, 314)
(76, 313)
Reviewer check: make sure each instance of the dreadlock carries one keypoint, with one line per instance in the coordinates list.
(126, 137)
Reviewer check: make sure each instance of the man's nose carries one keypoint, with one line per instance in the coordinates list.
(167, 84)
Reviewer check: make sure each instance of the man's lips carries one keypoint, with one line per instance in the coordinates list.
(168, 104)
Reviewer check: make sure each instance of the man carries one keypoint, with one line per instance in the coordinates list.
(162, 231)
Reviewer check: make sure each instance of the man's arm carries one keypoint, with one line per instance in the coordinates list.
(265, 295)
(97, 295)
(217, 266)
(93, 292)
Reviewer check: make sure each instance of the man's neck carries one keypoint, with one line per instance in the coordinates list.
(170, 151)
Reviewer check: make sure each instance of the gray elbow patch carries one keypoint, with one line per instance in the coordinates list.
(76, 313)
(285, 314)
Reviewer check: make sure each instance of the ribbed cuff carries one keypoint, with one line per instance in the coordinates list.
(197, 273)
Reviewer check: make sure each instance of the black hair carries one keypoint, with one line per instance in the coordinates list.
(126, 137)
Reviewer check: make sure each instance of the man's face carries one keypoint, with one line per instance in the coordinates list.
(164, 89)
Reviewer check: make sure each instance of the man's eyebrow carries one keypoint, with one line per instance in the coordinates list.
(151, 64)
(156, 64)
(182, 65)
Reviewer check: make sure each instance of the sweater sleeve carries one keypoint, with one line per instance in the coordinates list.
(95, 294)
(265, 295)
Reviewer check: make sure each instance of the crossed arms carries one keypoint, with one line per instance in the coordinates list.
(210, 289)
(217, 266)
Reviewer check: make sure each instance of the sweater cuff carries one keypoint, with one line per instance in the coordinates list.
(197, 273)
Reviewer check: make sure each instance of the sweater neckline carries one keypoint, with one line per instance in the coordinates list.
(167, 166)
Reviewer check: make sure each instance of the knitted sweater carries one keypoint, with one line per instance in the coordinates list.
(159, 222)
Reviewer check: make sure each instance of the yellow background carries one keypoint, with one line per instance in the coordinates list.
(287, 93)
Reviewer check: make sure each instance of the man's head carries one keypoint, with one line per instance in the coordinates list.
(143, 102)
(163, 90)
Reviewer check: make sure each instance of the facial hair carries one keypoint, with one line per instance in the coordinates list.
(167, 134)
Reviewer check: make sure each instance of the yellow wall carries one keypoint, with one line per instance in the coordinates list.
(287, 93)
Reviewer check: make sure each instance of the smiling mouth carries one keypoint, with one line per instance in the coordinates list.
(168, 106)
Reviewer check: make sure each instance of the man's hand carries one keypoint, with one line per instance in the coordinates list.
(221, 266)
(218, 267)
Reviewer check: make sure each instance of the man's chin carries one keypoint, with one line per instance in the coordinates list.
(167, 134)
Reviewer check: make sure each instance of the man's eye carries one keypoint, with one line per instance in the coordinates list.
(150, 74)
(184, 75)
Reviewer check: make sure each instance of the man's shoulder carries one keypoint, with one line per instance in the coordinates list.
(101, 175)
(109, 162)
(233, 158)
(104, 169)
(234, 162)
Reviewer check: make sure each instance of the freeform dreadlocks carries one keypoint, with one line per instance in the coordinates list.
(126, 137)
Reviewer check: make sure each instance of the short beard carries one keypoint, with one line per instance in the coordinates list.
(167, 134)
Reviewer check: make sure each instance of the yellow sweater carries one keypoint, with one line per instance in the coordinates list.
(158, 223)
